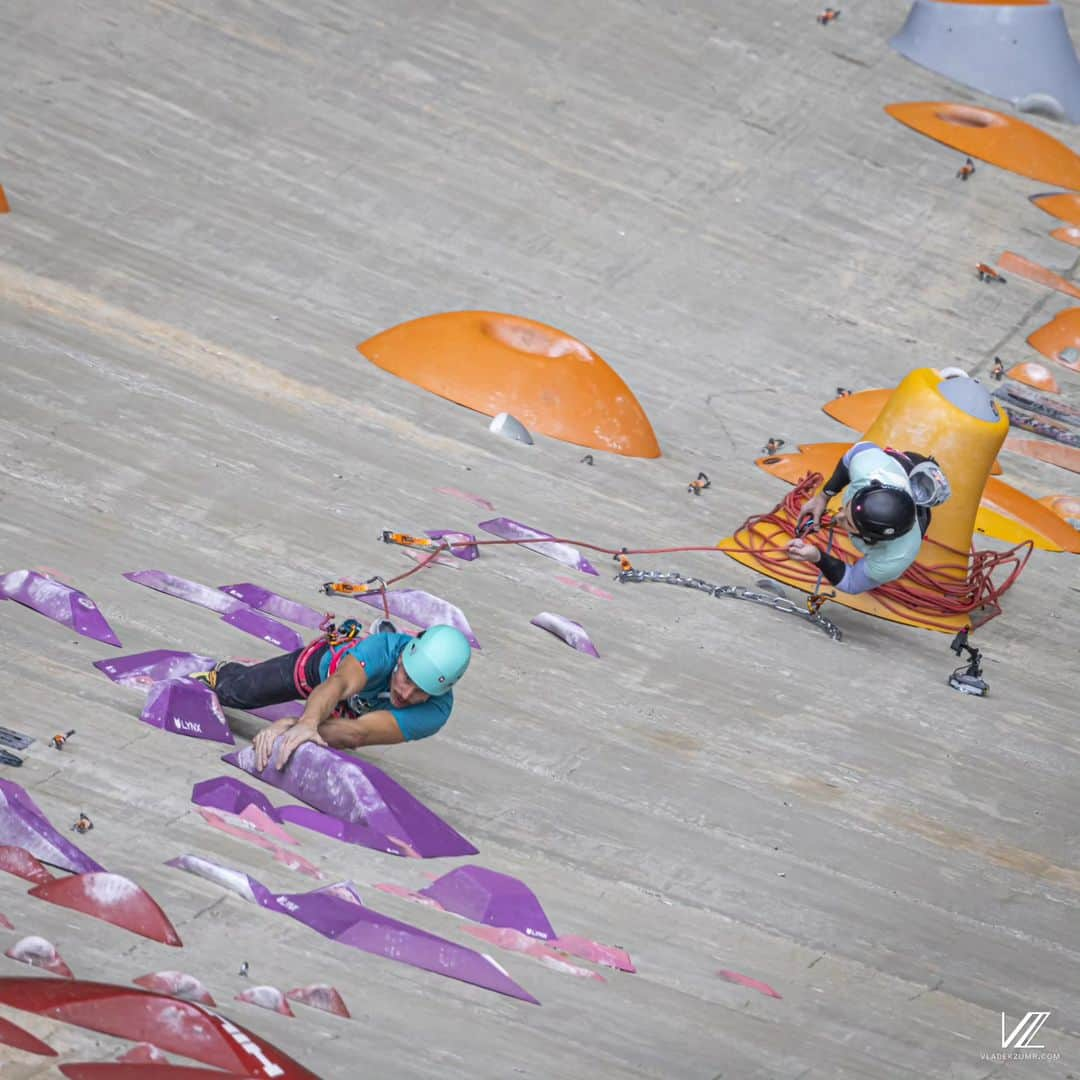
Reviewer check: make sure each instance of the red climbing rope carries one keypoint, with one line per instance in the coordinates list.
(923, 590)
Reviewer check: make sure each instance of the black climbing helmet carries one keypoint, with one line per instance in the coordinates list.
(882, 513)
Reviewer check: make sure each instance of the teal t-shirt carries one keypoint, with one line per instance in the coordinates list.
(379, 654)
(887, 560)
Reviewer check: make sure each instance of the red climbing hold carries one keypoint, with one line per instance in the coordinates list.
(114, 899)
(13, 1035)
(19, 861)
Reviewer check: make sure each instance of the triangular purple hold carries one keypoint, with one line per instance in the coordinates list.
(422, 609)
(243, 885)
(58, 602)
(23, 825)
(262, 626)
(337, 912)
(356, 791)
(491, 898)
(192, 591)
(281, 607)
(146, 668)
(231, 795)
(573, 633)
(508, 529)
(461, 544)
(185, 707)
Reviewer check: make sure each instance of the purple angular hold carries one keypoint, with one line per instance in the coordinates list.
(462, 544)
(58, 602)
(422, 609)
(22, 824)
(233, 796)
(262, 626)
(243, 885)
(277, 712)
(348, 832)
(281, 607)
(146, 668)
(183, 589)
(491, 898)
(338, 913)
(185, 707)
(508, 529)
(571, 632)
(358, 792)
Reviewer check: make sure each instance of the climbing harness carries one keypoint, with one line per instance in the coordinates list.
(738, 592)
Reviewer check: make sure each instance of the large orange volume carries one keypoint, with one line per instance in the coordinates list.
(497, 363)
(993, 137)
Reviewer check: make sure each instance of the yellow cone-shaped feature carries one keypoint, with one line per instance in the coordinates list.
(954, 420)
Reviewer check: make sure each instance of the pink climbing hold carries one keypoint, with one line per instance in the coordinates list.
(177, 983)
(459, 494)
(5, 922)
(266, 997)
(745, 980)
(13, 1035)
(505, 937)
(113, 899)
(320, 996)
(39, 953)
(19, 861)
(262, 822)
(143, 1053)
(609, 955)
(585, 586)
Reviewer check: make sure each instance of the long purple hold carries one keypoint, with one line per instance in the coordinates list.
(422, 609)
(262, 626)
(508, 529)
(486, 896)
(356, 791)
(277, 712)
(192, 591)
(146, 668)
(22, 824)
(58, 602)
(337, 912)
(281, 607)
(185, 707)
(348, 832)
(571, 632)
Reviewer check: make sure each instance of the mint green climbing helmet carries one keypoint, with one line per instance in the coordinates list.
(437, 659)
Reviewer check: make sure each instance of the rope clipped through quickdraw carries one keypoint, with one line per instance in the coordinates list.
(925, 591)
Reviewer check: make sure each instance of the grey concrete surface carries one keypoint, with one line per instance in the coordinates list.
(213, 203)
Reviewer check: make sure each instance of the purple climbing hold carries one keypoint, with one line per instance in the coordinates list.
(508, 529)
(183, 589)
(23, 825)
(58, 602)
(262, 626)
(277, 712)
(357, 792)
(348, 832)
(337, 912)
(569, 631)
(280, 607)
(185, 707)
(492, 898)
(231, 795)
(462, 544)
(422, 609)
(145, 669)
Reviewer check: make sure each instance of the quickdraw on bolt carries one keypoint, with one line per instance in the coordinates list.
(349, 630)
(352, 588)
(696, 487)
(406, 540)
(815, 602)
(625, 565)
